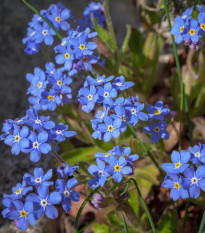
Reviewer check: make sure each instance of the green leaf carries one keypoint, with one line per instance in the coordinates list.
(81, 154)
(168, 223)
(126, 41)
(102, 34)
(133, 201)
(100, 228)
(113, 219)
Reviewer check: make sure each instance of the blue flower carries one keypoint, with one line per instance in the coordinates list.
(179, 29)
(88, 98)
(8, 203)
(158, 130)
(200, 8)
(99, 80)
(20, 190)
(38, 122)
(175, 183)
(18, 139)
(60, 132)
(50, 100)
(101, 114)
(44, 202)
(50, 69)
(38, 145)
(23, 213)
(158, 111)
(201, 19)
(65, 57)
(197, 154)
(105, 156)
(67, 192)
(38, 82)
(43, 33)
(111, 128)
(120, 84)
(65, 170)
(100, 174)
(186, 15)
(193, 32)
(85, 62)
(133, 112)
(125, 152)
(39, 179)
(58, 17)
(180, 162)
(195, 180)
(118, 168)
(106, 94)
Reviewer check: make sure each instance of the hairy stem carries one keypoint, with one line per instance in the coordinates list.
(201, 228)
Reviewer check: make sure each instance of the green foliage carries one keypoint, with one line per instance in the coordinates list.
(100, 228)
(168, 223)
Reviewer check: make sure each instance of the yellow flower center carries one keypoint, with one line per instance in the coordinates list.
(58, 19)
(107, 154)
(177, 185)
(23, 213)
(202, 26)
(85, 59)
(96, 7)
(18, 191)
(39, 84)
(63, 43)
(67, 55)
(110, 128)
(125, 156)
(102, 115)
(177, 165)
(157, 129)
(17, 138)
(50, 97)
(182, 29)
(192, 32)
(117, 168)
(156, 112)
(90, 97)
(82, 46)
(59, 83)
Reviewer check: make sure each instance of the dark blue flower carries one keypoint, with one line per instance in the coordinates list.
(39, 178)
(106, 94)
(120, 84)
(44, 202)
(100, 174)
(23, 213)
(20, 190)
(60, 132)
(50, 100)
(195, 180)
(197, 154)
(99, 80)
(65, 170)
(158, 111)
(38, 145)
(157, 130)
(67, 192)
(175, 183)
(193, 32)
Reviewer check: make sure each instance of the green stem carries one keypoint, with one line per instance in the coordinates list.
(125, 224)
(180, 78)
(38, 13)
(147, 150)
(142, 201)
(112, 33)
(201, 228)
(186, 215)
(82, 207)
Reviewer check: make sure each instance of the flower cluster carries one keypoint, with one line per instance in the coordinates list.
(39, 31)
(32, 199)
(188, 29)
(116, 163)
(186, 174)
(34, 134)
(76, 51)
(157, 127)
(116, 111)
(48, 89)
(95, 9)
